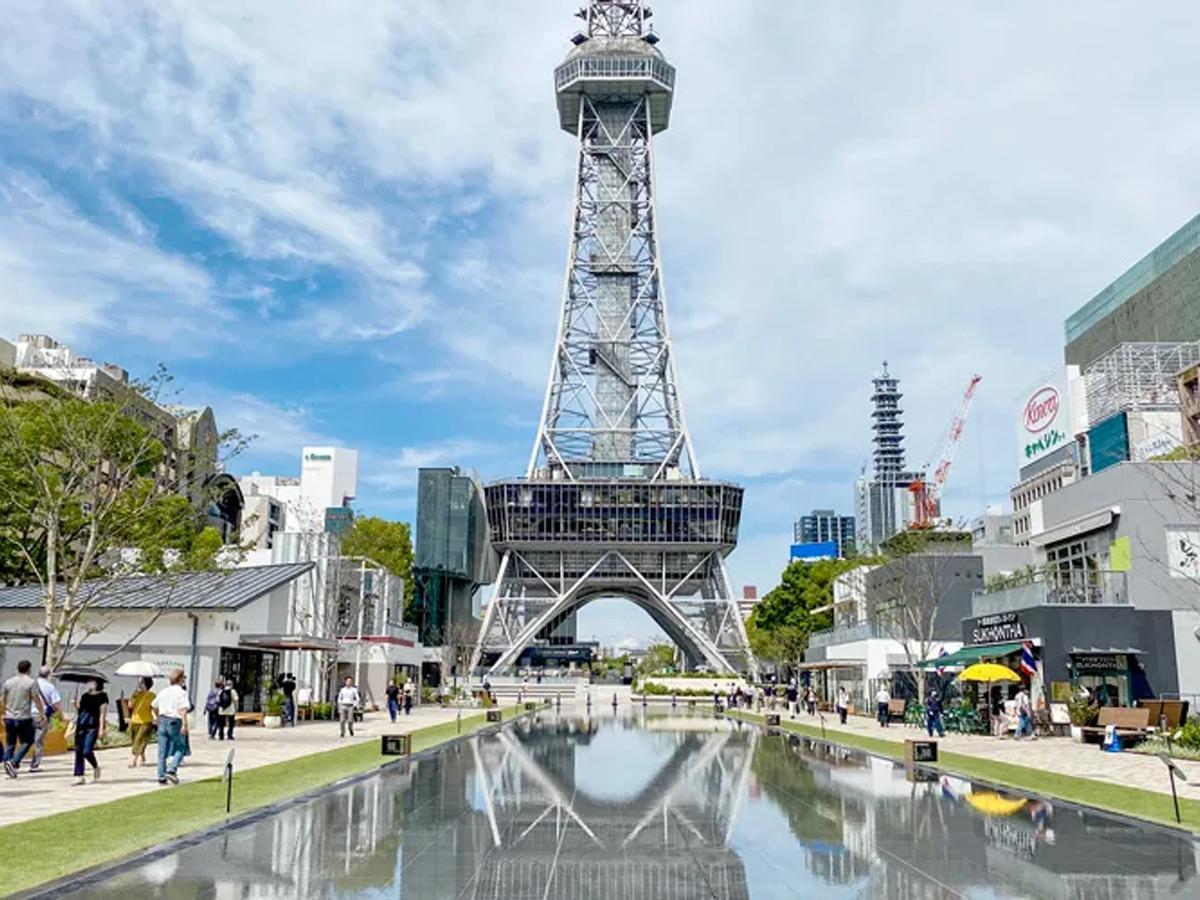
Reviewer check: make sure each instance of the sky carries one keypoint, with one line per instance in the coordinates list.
(349, 227)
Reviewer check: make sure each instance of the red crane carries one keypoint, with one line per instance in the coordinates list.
(927, 497)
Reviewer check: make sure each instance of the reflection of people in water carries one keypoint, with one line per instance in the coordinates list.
(1041, 812)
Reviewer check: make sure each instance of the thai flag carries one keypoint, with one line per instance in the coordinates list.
(1028, 663)
(941, 670)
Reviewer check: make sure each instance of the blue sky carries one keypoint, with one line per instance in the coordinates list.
(350, 228)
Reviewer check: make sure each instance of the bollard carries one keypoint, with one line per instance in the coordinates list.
(459, 719)
(614, 700)
(229, 782)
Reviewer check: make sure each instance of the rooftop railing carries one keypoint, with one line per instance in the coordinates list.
(845, 634)
(633, 67)
(1072, 588)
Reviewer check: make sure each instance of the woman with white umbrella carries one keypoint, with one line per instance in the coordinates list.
(141, 717)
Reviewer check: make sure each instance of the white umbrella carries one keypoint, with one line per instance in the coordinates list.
(139, 668)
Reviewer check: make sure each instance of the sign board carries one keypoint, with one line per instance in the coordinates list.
(395, 745)
(920, 751)
(998, 628)
(530, 704)
(1044, 418)
(493, 715)
(1099, 663)
(815, 551)
(771, 720)
(1183, 552)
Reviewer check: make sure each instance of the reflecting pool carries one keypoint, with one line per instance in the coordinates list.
(664, 807)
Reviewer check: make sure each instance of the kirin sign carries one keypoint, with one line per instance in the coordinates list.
(1043, 424)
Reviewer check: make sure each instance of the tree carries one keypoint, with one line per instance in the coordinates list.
(803, 588)
(85, 499)
(906, 600)
(390, 545)
(659, 657)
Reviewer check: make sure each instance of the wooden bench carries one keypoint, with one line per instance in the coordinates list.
(248, 718)
(1129, 721)
(896, 709)
(1175, 712)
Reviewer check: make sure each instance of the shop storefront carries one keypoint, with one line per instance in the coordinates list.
(252, 673)
(1091, 646)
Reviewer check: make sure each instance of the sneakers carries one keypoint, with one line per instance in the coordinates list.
(173, 778)
(80, 780)
(163, 781)
(96, 774)
(9, 769)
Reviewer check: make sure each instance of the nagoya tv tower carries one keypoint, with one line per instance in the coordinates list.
(612, 503)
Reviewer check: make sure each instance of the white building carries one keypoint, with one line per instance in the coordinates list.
(209, 624)
(328, 479)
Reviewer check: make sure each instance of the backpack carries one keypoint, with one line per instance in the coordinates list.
(225, 698)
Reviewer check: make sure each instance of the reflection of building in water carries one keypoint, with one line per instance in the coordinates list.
(862, 822)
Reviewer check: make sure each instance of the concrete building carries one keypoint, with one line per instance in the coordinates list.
(263, 518)
(1189, 404)
(1156, 299)
(748, 602)
(823, 525)
(1114, 604)
(328, 481)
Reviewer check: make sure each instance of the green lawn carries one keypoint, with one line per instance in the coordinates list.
(1118, 798)
(110, 831)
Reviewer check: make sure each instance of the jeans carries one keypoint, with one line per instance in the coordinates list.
(39, 742)
(393, 708)
(171, 745)
(933, 722)
(85, 748)
(1024, 725)
(289, 711)
(225, 727)
(17, 731)
(346, 718)
(214, 722)
(842, 711)
(881, 713)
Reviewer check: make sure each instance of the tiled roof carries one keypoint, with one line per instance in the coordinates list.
(226, 589)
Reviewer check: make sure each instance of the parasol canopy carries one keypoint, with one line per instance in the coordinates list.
(992, 804)
(988, 672)
(80, 674)
(139, 668)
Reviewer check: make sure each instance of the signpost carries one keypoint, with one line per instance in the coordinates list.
(494, 715)
(771, 720)
(917, 752)
(395, 745)
(1173, 770)
(228, 778)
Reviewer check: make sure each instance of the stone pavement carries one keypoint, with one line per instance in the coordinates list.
(50, 790)
(1060, 755)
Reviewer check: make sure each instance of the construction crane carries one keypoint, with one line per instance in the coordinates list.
(927, 496)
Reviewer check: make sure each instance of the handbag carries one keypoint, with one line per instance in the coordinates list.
(69, 731)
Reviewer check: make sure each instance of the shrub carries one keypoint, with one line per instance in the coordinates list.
(274, 704)
(1082, 710)
(1189, 734)
(322, 710)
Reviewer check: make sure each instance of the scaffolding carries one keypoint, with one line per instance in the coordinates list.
(1137, 375)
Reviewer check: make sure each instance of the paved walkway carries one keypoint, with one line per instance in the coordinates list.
(50, 791)
(1052, 754)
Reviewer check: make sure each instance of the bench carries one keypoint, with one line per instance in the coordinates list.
(248, 718)
(1175, 712)
(896, 709)
(1129, 721)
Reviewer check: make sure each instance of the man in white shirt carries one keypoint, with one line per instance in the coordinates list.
(52, 701)
(170, 709)
(883, 701)
(347, 701)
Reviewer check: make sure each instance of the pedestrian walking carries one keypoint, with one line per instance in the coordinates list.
(392, 691)
(211, 704)
(791, 698)
(843, 704)
(347, 702)
(91, 723)
(171, 708)
(933, 715)
(141, 721)
(409, 691)
(21, 699)
(287, 684)
(227, 707)
(811, 700)
(883, 699)
(52, 706)
(1024, 714)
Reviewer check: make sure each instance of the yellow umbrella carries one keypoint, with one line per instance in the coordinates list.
(992, 804)
(988, 672)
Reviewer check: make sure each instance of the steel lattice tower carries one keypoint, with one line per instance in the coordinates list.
(612, 502)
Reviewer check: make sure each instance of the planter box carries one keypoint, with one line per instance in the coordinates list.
(56, 742)
(1077, 734)
(272, 721)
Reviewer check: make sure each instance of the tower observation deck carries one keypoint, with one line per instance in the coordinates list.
(612, 502)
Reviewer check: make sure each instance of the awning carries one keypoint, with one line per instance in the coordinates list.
(1075, 527)
(1079, 651)
(833, 664)
(972, 654)
(289, 642)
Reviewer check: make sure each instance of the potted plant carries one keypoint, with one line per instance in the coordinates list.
(1083, 712)
(273, 710)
